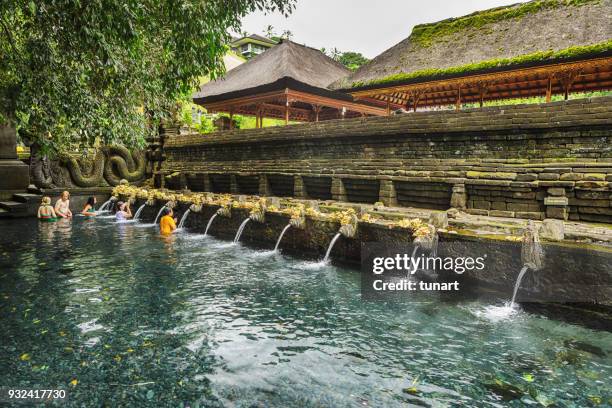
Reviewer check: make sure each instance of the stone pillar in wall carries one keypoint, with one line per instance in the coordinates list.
(206, 182)
(233, 184)
(264, 185)
(459, 197)
(182, 181)
(299, 188)
(387, 194)
(337, 189)
(557, 204)
(14, 174)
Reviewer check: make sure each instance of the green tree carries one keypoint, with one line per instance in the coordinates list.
(351, 60)
(109, 70)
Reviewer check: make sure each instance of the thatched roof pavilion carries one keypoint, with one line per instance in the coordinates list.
(289, 81)
(541, 47)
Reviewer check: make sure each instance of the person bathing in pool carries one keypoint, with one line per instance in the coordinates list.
(167, 224)
(123, 211)
(90, 208)
(46, 211)
(62, 206)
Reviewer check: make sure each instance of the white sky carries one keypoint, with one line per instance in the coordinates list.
(366, 26)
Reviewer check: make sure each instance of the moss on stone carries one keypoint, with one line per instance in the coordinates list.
(540, 56)
(425, 34)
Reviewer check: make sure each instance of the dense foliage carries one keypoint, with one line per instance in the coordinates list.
(108, 70)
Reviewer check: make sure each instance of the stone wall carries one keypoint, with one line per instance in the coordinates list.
(527, 161)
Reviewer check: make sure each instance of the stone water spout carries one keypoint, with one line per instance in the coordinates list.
(427, 239)
(532, 256)
(225, 211)
(349, 226)
(258, 213)
(195, 208)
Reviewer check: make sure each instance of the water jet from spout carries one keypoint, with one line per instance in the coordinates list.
(138, 212)
(210, 223)
(281, 237)
(518, 284)
(331, 246)
(159, 214)
(105, 205)
(183, 219)
(242, 226)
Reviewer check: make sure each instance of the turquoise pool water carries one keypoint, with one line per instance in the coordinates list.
(121, 317)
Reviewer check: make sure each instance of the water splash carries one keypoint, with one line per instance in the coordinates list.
(518, 284)
(158, 215)
(104, 206)
(210, 223)
(281, 237)
(183, 219)
(240, 229)
(331, 246)
(137, 215)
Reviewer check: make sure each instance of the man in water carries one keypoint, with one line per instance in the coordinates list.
(62, 206)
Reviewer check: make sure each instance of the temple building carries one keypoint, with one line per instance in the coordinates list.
(289, 81)
(538, 48)
(251, 45)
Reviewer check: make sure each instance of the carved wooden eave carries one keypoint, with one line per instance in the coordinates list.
(543, 80)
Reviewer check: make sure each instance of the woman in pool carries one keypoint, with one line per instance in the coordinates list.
(123, 211)
(167, 224)
(62, 206)
(90, 208)
(45, 211)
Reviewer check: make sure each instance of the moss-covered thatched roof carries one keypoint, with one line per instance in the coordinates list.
(285, 65)
(535, 32)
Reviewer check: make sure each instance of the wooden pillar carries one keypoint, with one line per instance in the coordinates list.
(231, 117)
(549, 90)
(317, 110)
(458, 103)
(416, 97)
(286, 112)
(388, 108)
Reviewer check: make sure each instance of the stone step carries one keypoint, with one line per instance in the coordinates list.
(34, 190)
(13, 206)
(26, 197)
